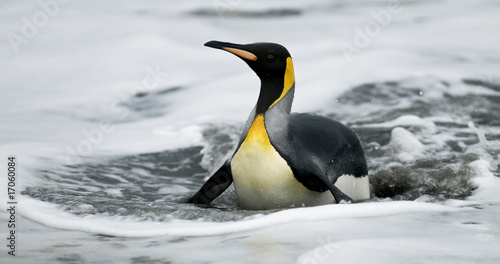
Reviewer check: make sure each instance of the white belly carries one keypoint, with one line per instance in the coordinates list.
(358, 188)
(263, 180)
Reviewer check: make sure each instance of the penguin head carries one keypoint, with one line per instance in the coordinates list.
(267, 60)
(271, 62)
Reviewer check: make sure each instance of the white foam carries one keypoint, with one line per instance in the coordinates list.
(408, 120)
(488, 184)
(405, 145)
(50, 215)
(400, 250)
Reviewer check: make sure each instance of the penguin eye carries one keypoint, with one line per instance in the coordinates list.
(270, 57)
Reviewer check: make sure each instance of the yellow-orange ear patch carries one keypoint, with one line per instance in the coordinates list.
(289, 79)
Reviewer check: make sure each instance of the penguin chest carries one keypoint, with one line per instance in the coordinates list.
(263, 179)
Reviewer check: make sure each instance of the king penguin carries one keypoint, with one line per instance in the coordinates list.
(286, 159)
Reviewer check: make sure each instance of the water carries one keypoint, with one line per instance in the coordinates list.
(118, 122)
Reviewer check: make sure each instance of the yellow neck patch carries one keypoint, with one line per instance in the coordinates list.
(289, 79)
(257, 132)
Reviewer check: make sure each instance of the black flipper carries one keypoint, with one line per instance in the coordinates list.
(339, 195)
(214, 187)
